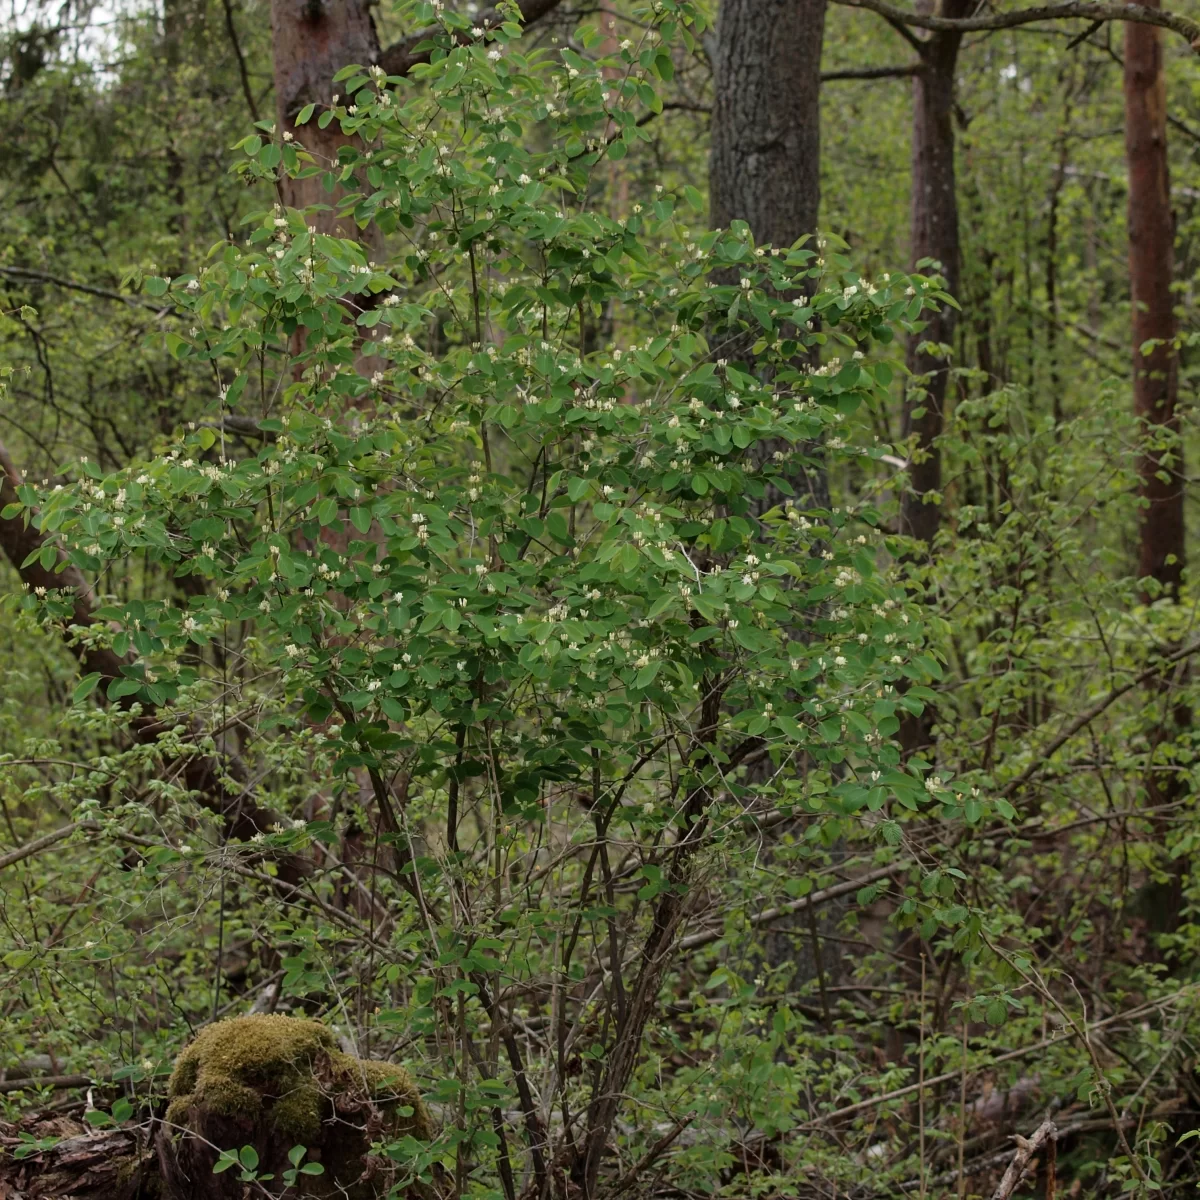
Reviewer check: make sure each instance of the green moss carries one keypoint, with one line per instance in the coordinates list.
(391, 1087)
(234, 1065)
(289, 1070)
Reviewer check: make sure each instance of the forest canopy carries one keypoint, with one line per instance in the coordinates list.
(594, 600)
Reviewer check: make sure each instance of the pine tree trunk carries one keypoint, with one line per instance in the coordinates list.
(312, 41)
(1155, 374)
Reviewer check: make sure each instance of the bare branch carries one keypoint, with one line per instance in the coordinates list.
(1084, 10)
(1026, 1149)
(707, 937)
(75, 286)
(1090, 714)
(901, 72)
(44, 843)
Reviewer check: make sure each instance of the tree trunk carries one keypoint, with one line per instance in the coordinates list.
(765, 167)
(1155, 374)
(934, 235)
(312, 40)
(1155, 392)
(765, 163)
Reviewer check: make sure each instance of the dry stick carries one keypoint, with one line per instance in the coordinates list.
(708, 936)
(43, 843)
(1026, 1149)
(1090, 714)
(921, 1083)
(1034, 980)
(648, 1159)
(1072, 9)
(1011, 1056)
(962, 1114)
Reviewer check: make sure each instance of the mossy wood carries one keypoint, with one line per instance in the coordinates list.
(275, 1082)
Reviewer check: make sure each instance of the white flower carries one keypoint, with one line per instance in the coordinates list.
(190, 625)
(493, 55)
(374, 685)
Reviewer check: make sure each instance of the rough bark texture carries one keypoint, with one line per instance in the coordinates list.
(934, 235)
(765, 164)
(83, 1164)
(766, 135)
(1151, 239)
(312, 40)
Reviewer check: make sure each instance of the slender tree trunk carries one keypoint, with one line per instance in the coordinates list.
(1155, 394)
(934, 235)
(1155, 374)
(312, 40)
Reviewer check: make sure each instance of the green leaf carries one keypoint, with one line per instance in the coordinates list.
(85, 687)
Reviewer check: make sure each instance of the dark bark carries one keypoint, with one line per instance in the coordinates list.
(1155, 396)
(400, 58)
(1155, 374)
(766, 139)
(765, 164)
(935, 236)
(85, 1164)
(312, 40)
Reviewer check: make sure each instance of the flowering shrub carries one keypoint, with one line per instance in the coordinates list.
(551, 611)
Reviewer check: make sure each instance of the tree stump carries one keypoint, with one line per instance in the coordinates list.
(84, 1164)
(274, 1083)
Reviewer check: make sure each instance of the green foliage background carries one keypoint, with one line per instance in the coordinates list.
(246, 496)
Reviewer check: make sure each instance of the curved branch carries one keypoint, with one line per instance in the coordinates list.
(1086, 10)
(401, 57)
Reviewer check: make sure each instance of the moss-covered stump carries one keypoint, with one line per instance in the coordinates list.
(275, 1082)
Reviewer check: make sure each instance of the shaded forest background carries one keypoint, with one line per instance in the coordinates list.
(849, 995)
